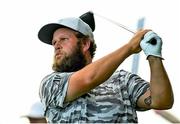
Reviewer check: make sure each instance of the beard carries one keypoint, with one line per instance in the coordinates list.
(70, 63)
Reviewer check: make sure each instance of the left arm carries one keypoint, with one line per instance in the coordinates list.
(160, 95)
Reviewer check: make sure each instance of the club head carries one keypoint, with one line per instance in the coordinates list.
(88, 17)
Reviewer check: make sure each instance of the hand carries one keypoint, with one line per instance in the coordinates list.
(149, 47)
(136, 39)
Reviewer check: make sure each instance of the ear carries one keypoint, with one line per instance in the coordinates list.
(86, 45)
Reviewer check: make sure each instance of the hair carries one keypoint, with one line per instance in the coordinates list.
(93, 46)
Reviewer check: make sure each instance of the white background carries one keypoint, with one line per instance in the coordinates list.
(24, 60)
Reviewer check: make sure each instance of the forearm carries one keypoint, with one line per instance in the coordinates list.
(160, 87)
(102, 69)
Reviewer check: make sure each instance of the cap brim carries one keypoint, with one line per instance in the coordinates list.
(45, 34)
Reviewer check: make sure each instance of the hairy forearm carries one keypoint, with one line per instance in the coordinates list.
(160, 87)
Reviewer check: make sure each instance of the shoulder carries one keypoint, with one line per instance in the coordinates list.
(54, 79)
(53, 88)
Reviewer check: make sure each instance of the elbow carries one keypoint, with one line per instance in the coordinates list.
(167, 106)
(164, 105)
(171, 103)
(164, 101)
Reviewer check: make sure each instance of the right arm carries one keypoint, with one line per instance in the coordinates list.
(99, 71)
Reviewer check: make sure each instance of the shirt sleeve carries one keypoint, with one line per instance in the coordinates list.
(136, 87)
(53, 89)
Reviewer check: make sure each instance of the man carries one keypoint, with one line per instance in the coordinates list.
(83, 91)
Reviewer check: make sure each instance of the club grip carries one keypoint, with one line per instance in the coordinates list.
(153, 41)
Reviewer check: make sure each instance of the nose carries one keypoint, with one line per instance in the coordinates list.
(57, 46)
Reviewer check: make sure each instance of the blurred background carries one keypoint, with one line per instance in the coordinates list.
(24, 60)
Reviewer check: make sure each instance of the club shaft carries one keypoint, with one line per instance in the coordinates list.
(116, 23)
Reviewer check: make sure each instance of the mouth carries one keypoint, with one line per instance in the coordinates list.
(58, 54)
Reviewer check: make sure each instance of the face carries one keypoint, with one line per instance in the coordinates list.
(68, 55)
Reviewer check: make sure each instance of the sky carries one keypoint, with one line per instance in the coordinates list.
(25, 60)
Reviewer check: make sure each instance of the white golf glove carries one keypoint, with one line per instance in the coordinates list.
(151, 44)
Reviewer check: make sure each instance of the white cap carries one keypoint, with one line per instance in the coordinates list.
(46, 32)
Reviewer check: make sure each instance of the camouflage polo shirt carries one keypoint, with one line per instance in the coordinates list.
(114, 101)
